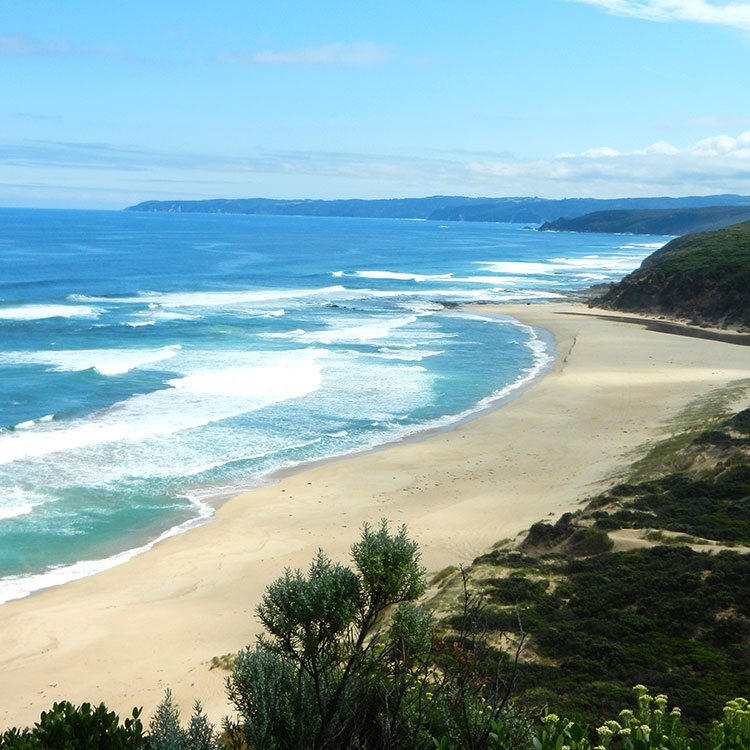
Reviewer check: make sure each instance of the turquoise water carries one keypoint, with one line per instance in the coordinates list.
(151, 361)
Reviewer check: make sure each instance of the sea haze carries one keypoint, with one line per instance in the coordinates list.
(149, 362)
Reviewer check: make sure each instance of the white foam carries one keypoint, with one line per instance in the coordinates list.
(27, 424)
(516, 267)
(199, 398)
(374, 330)
(397, 276)
(141, 324)
(643, 246)
(615, 264)
(211, 299)
(14, 511)
(421, 307)
(284, 334)
(407, 355)
(104, 361)
(440, 277)
(349, 331)
(452, 295)
(167, 315)
(41, 312)
(18, 587)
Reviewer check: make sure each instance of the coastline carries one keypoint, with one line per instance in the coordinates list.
(127, 633)
(542, 346)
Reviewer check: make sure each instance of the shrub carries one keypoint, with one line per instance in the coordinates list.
(69, 727)
(332, 671)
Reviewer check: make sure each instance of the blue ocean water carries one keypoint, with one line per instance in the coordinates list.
(149, 362)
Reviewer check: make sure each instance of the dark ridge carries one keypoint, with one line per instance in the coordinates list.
(676, 221)
(526, 210)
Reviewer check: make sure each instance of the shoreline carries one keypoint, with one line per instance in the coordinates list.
(210, 502)
(125, 634)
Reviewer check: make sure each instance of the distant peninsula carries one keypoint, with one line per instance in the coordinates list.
(703, 278)
(525, 210)
(675, 221)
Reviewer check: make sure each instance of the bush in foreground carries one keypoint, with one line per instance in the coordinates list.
(349, 661)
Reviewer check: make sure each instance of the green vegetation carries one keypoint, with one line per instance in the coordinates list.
(704, 278)
(597, 620)
(598, 624)
(653, 221)
(651, 726)
(716, 507)
(702, 486)
(69, 727)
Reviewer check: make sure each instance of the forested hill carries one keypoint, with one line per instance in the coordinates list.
(676, 221)
(704, 278)
(526, 210)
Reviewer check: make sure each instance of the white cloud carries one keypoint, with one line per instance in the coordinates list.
(600, 152)
(724, 145)
(363, 53)
(23, 46)
(720, 164)
(660, 147)
(736, 14)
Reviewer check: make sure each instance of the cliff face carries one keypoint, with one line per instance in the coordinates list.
(703, 278)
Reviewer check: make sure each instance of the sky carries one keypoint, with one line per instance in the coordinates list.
(107, 104)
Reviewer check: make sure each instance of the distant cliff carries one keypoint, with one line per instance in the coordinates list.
(539, 210)
(704, 278)
(677, 221)
(396, 208)
(527, 210)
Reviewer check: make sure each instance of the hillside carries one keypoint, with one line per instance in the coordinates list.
(526, 210)
(704, 278)
(676, 221)
(607, 596)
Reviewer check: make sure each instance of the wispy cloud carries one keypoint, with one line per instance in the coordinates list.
(23, 46)
(362, 53)
(736, 14)
(19, 45)
(718, 164)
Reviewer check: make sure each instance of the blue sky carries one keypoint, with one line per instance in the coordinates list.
(108, 104)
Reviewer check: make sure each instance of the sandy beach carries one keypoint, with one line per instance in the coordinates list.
(125, 635)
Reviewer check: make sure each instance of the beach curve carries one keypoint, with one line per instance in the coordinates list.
(124, 635)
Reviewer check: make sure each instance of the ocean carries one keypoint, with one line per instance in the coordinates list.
(151, 363)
